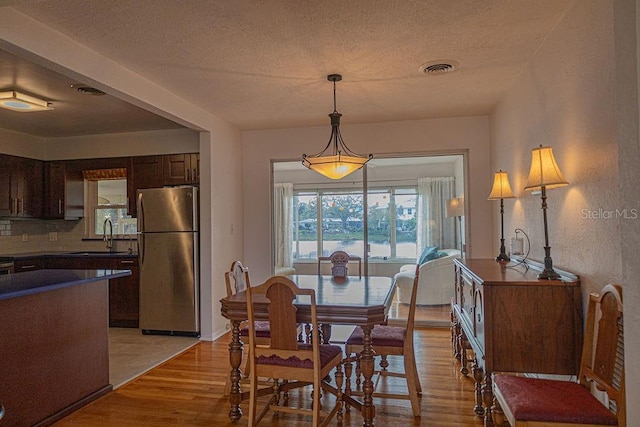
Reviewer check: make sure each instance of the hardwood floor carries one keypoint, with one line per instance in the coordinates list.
(188, 390)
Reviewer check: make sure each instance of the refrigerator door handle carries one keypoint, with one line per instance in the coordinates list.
(141, 247)
(141, 226)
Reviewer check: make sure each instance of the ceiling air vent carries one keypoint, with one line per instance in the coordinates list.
(438, 67)
(88, 90)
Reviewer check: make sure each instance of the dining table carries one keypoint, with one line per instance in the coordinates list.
(360, 301)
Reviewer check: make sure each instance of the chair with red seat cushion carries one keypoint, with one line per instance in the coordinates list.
(525, 401)
(237, 280)
(390, 341)
(290, 363)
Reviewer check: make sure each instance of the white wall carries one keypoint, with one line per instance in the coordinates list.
(569, 97)
(23, 145)
(420, 136)
(627, 45)
(565, 99)
(123, 144)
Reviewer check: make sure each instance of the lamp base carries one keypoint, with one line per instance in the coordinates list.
(503, 258)
(503, 252)
(549, 275)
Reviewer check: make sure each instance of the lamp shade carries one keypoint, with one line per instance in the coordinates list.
(336, 166)
(501, 187)
(544, 170)
(17, 101)
(455, 207)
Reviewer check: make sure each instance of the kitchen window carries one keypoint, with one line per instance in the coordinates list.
(106, 198)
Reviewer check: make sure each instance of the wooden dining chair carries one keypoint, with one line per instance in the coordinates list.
(339, 261)
(290, 363)
(237, 280)
(389, 341)
(525, 401)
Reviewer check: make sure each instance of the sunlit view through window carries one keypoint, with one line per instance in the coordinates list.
(389, 216)
(341, 216)
(109, 200)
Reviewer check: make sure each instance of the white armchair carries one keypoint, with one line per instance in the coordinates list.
(435, 283)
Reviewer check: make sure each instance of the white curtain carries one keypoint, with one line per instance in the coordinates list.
(283, 223)
(434, 227)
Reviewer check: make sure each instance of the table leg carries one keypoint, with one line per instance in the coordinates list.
(235, 359)
(366, 364)
(325, 330)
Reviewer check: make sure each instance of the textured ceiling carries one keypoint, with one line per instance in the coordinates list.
(263, 64)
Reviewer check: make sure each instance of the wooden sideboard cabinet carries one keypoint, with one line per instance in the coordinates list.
(514, 322)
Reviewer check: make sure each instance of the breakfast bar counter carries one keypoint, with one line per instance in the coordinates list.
(54, 342)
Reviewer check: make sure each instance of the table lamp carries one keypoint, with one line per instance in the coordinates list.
(501, 190)
(545, 174)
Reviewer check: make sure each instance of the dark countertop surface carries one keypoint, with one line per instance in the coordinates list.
(33, 282)
(30, 255)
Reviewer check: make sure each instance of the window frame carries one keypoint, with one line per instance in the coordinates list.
(92, 207)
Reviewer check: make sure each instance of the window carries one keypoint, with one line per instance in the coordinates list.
(107, 199)
(405, 210)
(341, 215)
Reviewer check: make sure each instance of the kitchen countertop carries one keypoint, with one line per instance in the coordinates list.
(45, 254)
(33, 282)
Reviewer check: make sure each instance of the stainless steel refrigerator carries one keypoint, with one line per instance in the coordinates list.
(168, 243)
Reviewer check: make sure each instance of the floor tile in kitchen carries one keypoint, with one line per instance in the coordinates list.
(131, 353)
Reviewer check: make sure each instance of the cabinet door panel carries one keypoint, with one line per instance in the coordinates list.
(145, 172)
(54, 179)
(181, 169)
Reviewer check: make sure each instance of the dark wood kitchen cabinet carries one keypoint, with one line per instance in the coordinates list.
(124, 295)
(21, 185)
(144, 172)
(54, 190)
(28, 264)
(181, 169)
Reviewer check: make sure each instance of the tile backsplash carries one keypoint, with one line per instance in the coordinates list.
(22, 236)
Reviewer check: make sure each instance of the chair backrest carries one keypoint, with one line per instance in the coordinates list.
(603, 350)
(339, 261)
(237, 278)
(281, 293)
(411, 318)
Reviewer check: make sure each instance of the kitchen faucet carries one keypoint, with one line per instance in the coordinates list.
(104, 233)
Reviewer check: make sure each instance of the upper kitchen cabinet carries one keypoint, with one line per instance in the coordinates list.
(181, 169)
(54, 190)
(144, 172)
(64, 192)
(21, 184)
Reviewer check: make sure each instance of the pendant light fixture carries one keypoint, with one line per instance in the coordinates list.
(336, 160)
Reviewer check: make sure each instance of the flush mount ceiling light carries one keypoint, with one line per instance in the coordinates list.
(336, 160)
(16, 101)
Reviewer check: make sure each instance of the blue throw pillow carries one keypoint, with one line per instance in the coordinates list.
(428, 253)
